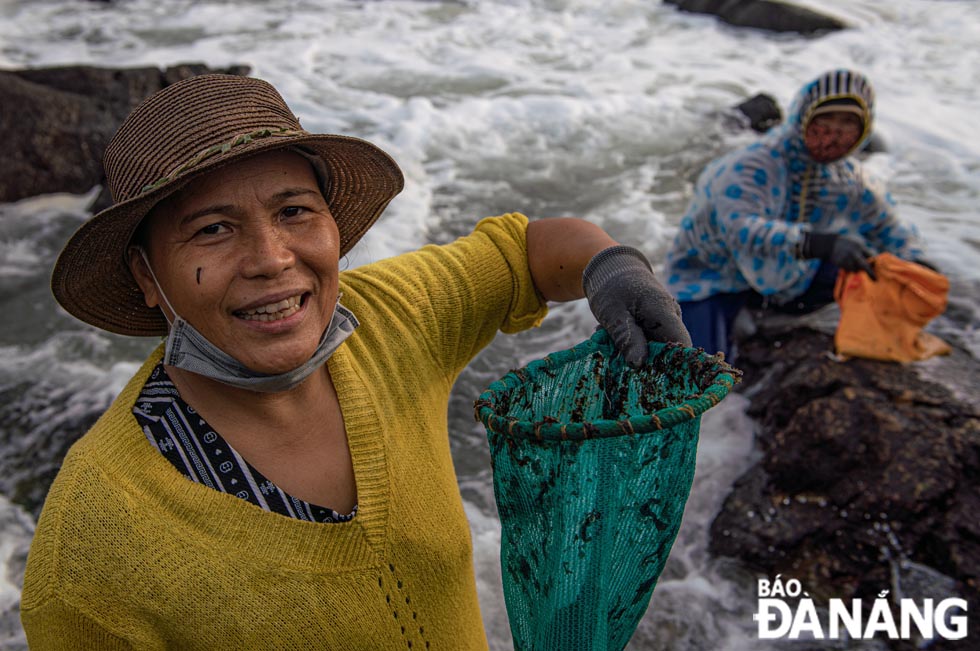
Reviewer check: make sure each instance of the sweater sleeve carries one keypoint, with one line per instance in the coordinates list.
(457, 296)
(54, 625)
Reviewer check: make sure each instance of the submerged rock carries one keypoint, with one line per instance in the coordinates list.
(764, 14)
(64, 119)
(868, 475)
(761, 110)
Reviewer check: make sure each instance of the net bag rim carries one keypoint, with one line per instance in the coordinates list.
(725, 377)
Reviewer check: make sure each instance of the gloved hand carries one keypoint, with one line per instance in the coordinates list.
(845, 251)
(630, 303)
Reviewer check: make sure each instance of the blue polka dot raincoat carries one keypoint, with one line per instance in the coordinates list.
(744, 225)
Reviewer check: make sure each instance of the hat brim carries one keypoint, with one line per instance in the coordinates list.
(92, 279)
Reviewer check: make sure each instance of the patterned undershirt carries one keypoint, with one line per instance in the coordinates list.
(200, 454)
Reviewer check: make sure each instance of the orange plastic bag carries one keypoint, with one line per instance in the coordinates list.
(884, 319)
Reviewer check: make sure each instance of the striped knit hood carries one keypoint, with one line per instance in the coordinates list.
(833, 85)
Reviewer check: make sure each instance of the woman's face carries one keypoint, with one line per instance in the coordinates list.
(830, 136)
(248, 255)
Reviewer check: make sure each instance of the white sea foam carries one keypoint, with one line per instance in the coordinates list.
(17, 527)
(549, 107)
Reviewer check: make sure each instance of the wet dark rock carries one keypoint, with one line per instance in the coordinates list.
(867, 480)
(762, 111)
(60, 120)
(874, 144)
(764, 14)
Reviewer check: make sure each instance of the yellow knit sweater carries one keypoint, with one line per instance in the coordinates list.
(129, 554)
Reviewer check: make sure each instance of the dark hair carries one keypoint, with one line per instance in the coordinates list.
(319, 170)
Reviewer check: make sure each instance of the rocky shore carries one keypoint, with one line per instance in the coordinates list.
(868, 476)
(65, 117)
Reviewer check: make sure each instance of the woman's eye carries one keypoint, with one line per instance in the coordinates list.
(213, 229)
(293, 211)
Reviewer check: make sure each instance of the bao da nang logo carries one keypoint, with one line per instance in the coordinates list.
(786, 611)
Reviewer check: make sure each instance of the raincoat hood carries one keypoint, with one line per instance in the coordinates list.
(751, 208)
(833, 85)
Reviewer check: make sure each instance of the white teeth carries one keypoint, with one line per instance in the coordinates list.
(273, 311)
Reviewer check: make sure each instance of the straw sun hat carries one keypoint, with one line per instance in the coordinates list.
(178, 134)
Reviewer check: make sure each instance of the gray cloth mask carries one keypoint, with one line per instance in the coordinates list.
(188, 349)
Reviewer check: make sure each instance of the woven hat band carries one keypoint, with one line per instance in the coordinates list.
(217, 150)
(188, 122)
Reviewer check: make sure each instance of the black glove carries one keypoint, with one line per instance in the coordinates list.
(845, 251)
(630, 303)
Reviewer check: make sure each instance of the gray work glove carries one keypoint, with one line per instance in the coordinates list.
(845, 251)
(630, 303)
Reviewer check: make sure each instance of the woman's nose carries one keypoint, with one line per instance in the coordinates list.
(267, 253)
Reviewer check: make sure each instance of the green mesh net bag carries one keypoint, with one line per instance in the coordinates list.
(592, 466)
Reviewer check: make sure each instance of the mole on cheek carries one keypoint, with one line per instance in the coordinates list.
(199, 275)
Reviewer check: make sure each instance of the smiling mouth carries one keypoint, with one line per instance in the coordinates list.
(273, 311)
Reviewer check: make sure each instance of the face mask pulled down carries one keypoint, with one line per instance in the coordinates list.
(186, 348)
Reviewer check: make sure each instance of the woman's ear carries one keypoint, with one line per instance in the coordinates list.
(141, 272)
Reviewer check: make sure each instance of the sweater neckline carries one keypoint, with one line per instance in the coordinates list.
(216, 519)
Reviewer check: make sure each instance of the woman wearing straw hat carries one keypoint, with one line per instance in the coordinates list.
(277, 474)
